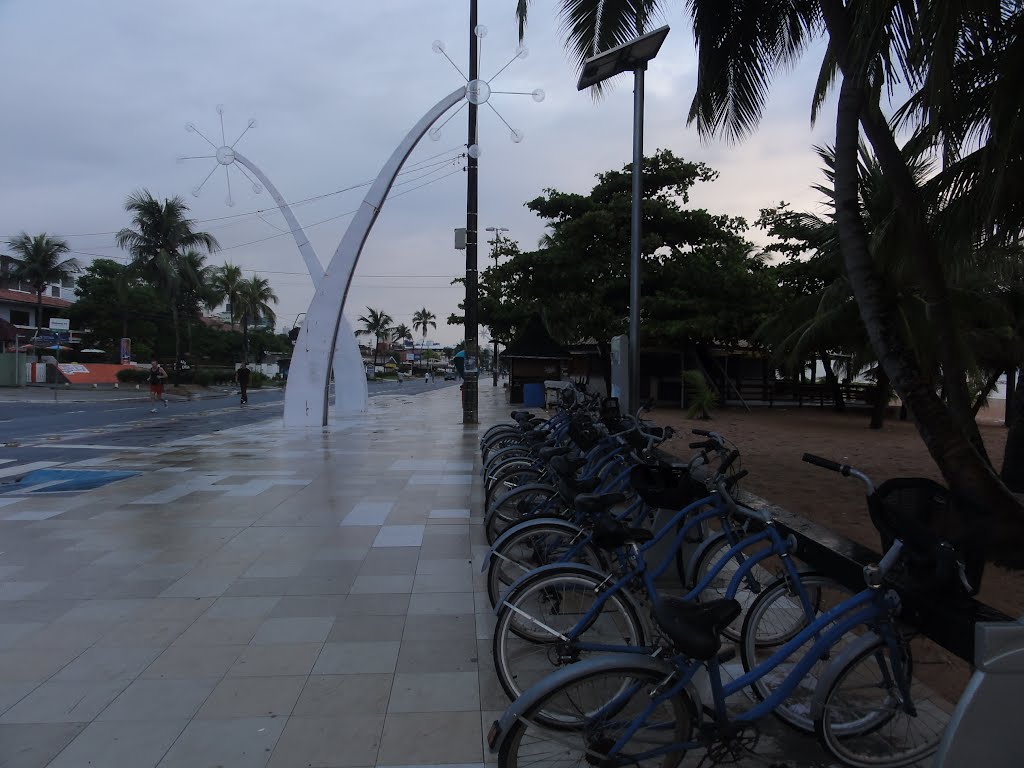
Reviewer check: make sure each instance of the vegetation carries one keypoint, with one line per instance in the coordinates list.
(163, 247)
(376, 323)
(252, 306)
(41, 262)
(961, 62)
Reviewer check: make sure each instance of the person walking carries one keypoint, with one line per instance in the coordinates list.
(242, 377)
(157, 377)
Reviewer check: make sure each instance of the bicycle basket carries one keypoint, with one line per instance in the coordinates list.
(665, 487)
(934, 531)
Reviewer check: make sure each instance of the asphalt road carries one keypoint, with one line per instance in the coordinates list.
(61, 431)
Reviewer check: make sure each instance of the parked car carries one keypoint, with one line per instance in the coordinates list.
(449, 377)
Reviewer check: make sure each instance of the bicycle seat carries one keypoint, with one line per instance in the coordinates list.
(552, 451)
(522, 415)
(595, 503)
(570, 487)
(695, 628)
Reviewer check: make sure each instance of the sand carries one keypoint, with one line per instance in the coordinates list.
(772, 440)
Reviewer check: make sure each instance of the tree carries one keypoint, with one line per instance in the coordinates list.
(40, 264)
(701, 284)
(963, 61)
(161, 236)
(422, 320)
(254, 299)
(114, 303)
(225, 282)
(401, 332)
(376, 323)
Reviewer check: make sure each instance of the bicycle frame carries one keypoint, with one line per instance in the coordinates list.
(866, 608)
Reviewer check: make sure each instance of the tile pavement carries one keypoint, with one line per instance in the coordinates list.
(259, 598)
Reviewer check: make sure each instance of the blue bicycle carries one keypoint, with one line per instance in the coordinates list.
(622, 709)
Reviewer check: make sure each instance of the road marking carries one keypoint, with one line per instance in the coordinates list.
(22, 468)
(71, 413)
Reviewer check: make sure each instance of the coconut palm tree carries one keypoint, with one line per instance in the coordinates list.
(254, 299)
(401, 332)
(161, 236)
(376, 323)
(225, 282)
(40, 263)
(873, 46)
(422, 320)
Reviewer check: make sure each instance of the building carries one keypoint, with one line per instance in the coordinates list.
(18, 300)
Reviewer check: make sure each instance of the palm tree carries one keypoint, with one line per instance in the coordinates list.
(873, 45)
(376, 323)
(422, 320)
(254, 298)
(161, 236)
(40, 264)
(401, 332)
(225, 282)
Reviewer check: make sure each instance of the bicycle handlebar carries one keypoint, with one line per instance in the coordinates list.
(727, 462)
(843, 469)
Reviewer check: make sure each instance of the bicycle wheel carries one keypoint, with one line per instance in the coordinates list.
(515, 450)
(526, 647)
(533, 547)
(865, 722)
(776, 616)
(509, 475)
(753, 584)
(592, 713)
(520, 504)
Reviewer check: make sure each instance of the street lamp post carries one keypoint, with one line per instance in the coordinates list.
(631, 56)
(494, 253)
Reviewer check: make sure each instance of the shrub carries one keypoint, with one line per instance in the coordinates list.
(133, 376)
(701, 398)
(257, 379)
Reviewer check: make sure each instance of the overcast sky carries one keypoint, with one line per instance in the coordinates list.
(96, 97)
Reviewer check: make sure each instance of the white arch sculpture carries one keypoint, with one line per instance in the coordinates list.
(349, 376)
(306, 397)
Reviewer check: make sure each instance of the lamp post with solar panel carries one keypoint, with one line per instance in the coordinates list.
(631, 56)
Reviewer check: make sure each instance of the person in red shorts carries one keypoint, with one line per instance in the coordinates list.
(157, 377)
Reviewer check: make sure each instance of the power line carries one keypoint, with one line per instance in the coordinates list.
(411, 169)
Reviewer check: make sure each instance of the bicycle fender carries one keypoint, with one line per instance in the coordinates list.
(525, 525)
(530, 697)
(837, 665)
(589, 570)
(522, 489)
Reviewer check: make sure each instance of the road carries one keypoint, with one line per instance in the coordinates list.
(37, 432)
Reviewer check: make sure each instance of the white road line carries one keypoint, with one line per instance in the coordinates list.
(22, 468)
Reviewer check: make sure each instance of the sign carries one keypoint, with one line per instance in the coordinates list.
(470, 365)
(126, 351)
(460, 239)
(60, 324)
(70, 369)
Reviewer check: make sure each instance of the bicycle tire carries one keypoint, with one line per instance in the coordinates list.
(763, 633)
(511, 475)
(519, 504)
(873, 740)
(759, 577)
(523, 653)
(500, 575)
(523, 745)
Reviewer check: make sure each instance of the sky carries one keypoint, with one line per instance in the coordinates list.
(97, 97)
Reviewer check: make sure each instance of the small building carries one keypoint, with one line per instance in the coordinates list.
(533, 357)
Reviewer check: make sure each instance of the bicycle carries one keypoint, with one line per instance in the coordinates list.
(868, 711)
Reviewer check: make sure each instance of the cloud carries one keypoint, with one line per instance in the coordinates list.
(97, 95)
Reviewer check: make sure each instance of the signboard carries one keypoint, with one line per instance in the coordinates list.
(126, 351)
(70, 369)
(470, 364)
(60, 324)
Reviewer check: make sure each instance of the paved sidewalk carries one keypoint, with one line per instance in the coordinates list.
(257, 597)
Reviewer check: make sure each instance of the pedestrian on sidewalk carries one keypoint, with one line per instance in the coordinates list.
(242, 377)
(157, 377)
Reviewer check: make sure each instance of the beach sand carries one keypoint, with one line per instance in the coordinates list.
(771, 442)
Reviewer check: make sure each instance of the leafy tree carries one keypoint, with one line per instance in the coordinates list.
(963, 62)
(39, 263)
(376, 323)
(161, 236)
(113, 303)
(701, 281)
(254, 299)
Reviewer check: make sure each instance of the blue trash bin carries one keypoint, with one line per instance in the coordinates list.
(533, 395)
